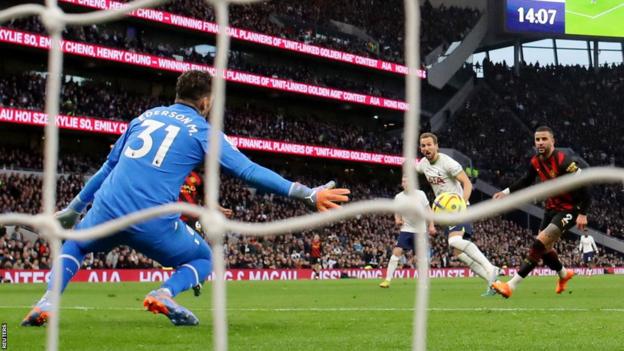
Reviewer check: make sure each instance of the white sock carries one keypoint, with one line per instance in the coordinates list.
(472, 251)
(514, 281)
(474, 266)
(563, 272)
(166, 291)
(45, 297)
(392, 266)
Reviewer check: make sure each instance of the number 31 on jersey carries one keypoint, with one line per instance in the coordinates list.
(148, 142)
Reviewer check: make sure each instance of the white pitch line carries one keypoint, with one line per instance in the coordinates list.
(348, 309)
(579, 14)
(608, 11)
(598, 15)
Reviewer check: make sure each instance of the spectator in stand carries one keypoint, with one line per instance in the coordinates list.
(252, 120)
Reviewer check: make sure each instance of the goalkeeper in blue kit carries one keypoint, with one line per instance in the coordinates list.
(145, 168)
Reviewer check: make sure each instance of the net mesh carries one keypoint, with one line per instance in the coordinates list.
(216, 224)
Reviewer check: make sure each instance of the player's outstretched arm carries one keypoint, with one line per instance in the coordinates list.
(523, 182)
(69, 215)
(321, 198)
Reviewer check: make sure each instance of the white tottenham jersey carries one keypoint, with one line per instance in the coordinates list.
(587, 244)
(442, 174)
(419, 225)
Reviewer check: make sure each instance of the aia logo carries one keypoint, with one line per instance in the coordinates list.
(436, 180)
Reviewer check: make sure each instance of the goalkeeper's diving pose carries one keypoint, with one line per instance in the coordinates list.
(146, 168)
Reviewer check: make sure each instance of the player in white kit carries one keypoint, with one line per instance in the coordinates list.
(409, 229)
(588, 248)
(444, 174)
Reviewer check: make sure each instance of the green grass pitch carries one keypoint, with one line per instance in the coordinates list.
(604, 18)
(335, 315)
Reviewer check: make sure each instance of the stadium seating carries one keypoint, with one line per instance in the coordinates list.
(356, 243)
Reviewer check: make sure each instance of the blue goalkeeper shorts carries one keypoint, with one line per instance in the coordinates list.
(173, 246)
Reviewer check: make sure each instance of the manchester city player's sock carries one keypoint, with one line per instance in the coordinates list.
(474, 266)
(71, 259)
(392, 266)
(551, 259)
(536, 252)
(188, 275)
(517, 278)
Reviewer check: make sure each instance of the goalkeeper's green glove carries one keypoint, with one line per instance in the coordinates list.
(70, 214)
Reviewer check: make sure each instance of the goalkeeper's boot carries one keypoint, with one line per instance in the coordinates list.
(39, 315)
(561, 284)
(502, 288)
(385, 284)
(159, 301)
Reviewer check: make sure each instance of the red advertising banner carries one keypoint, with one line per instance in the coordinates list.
(87, 124)
(246, 35)
(158, 275)
(314, 151)
(159, 63)
(93, 125)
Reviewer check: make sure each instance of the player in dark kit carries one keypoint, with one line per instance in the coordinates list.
(192, 192)
(316, 251)
(562, 211)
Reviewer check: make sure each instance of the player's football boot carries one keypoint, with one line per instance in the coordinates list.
(502, 288)
(39, 315)
(561, 284)
(385, 284)
(489, 292)
(158, 301)
(493, 275)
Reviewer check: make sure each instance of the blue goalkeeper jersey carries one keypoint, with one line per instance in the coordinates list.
(149, 162)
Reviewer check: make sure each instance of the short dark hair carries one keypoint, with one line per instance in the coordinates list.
(545, 129)
(193, 85)
(429, 135)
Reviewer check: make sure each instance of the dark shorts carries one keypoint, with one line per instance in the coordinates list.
(315, 260)
(406, 241)
(588, 256)
(564, 220)
(462, 227)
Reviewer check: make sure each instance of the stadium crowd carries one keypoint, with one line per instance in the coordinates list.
(364, 241)
(143, 42)
(101, 100)
(580, 104)
(313, 22)
(493, 119)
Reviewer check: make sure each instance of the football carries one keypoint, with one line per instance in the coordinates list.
(448, 203)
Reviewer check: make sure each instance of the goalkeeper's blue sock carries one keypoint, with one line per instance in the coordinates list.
(188, 275)
(70, 261)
